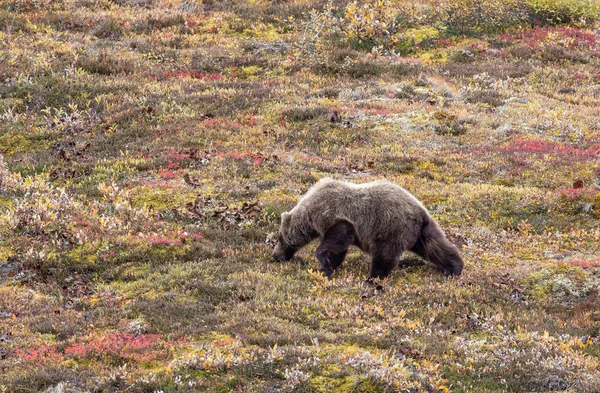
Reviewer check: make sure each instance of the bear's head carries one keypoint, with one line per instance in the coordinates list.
(285, 247)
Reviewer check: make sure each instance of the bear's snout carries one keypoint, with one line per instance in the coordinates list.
(283, 251)
(278, 254)
(280, 257)
(281, 254)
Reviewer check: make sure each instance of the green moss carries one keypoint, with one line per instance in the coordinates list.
(162, 199)
(559, 282)
(261, 31)
(251, 72)
(463, 383)
(322, 384)
(347, 349)
(592, 349)
(19, 142)
(413, 38)
(5, 252)
(596, 204)
(6, 201)
(82, 256)
(151, 253)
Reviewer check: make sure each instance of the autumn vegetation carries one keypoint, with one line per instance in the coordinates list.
(148, 148)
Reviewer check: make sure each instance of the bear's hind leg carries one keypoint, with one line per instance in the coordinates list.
(433, 246)
(333, 249)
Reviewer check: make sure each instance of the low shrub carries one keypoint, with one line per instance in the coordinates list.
(110, 28)
(489, 16)
(105, 64)
(303, 113)
(489, 97)
(384, 24)
(449, 124)
(556, 12)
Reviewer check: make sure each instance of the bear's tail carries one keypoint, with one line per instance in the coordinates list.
(433, 245)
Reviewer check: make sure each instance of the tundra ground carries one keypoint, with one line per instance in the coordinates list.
(149, 148)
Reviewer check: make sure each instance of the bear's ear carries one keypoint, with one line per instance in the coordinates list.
(286, 218)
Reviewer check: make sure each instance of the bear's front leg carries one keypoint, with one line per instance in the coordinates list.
(333, 249)
(384, 261)
(329, 260)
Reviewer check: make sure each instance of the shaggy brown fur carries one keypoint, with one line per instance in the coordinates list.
(387, 220)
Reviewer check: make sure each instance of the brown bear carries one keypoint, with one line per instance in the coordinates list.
(379, 217)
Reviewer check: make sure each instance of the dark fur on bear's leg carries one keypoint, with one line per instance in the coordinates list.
(437, 249)
(384, 261)
(381, 268)
(333, 249)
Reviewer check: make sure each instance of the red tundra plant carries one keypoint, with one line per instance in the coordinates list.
(191, 74)
(548, 150)
(164, 131)
(223, 124)
(174, 160)
(568, 37)
(379, 110)
(507, 38)
(593, 263)
(534, 37)
(576, 38)
(128, 346)
(40, 355)
(249, 119)
(248, 155)
(107, 255)
(173, 164)
(163, 240)
(238, 155)
(157, 184)
(574, 193)
(193, 21)
(196, 236)
(167, 174)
